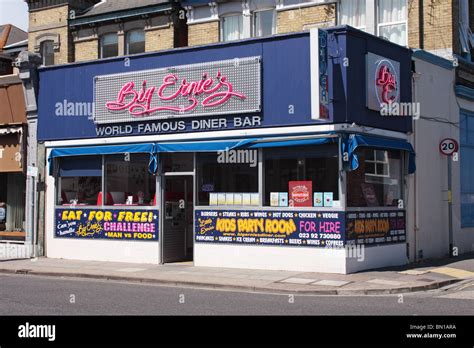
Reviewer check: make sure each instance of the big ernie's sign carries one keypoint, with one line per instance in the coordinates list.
(216, 88)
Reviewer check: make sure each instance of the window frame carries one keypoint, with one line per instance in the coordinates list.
(127, 42)
(42, 48)
(221, 25)
(385, 162)
(101, 45)
(57, 179)
(339, 5)
(254, 21)
(378, 24)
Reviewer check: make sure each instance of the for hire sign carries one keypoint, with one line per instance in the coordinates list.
(216, 88)
(383, 82)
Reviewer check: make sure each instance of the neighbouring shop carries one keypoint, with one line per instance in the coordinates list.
(12, 159)
(253, 154)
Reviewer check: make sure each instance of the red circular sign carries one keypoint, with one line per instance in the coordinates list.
(448, 146)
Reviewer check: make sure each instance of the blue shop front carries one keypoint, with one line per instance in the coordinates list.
(268, 153)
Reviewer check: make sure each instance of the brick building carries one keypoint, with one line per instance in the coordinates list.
(69, 31)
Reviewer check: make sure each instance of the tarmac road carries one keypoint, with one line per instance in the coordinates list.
(35, 295)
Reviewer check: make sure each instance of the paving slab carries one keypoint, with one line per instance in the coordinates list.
(298, 280)
(335, 283)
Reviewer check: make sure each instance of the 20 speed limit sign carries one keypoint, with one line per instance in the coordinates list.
(448, 146)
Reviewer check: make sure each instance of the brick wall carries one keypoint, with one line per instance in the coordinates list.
(157, 39)
(54, 21)
(303, 18)
(438, 24)
(413, 23)
(86, 50)
(203, 33)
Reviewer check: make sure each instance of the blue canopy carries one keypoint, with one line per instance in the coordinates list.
(263, 143)
(351, 142)
(203, 146)
(106, 150)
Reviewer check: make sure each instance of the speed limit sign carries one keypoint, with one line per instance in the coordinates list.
(448, 146)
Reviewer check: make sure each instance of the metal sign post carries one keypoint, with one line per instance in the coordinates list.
(449, 147)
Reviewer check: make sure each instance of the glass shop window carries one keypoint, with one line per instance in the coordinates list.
(128, 181)
(177, 162)
(302, 176)
(228, 178)
(79, 180)
(108, 45)
(377, 182)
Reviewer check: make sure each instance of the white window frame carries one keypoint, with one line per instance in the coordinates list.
(127, 36)
(254, 20)
(372, 23)
(387, 24)
(221, 24)
(101, 38)
(385, 162)
(367, 10)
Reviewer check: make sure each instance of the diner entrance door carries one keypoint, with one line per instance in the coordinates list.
(178, 236)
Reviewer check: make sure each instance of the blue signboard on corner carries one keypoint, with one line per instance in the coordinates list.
(284, 228)
(110, 224)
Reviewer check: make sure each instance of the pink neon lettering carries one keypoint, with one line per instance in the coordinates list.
(217, 92)
(388, 83)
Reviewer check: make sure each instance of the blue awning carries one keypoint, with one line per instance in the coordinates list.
(203, 146)
(106, 150)
(351, 142)
(265, 143)
(86, 166)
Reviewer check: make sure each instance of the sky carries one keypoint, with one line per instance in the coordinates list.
(14, 12)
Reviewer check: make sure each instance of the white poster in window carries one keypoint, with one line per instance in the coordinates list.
(229, 199)
(328, 199)
(237, 199)
(254, 199)
(246, 199)
(212, 198)
(283, 198)
(221, 198)
(274, 199)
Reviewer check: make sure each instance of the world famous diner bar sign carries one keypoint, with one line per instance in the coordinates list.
(214, 88)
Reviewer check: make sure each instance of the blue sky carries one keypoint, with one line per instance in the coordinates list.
(14, 12)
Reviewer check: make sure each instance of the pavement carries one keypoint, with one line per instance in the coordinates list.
(415, 277)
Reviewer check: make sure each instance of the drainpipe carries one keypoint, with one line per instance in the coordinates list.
(415, 79)
(27, 64)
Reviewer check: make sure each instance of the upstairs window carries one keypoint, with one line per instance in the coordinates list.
(232, 27)
(264, 23)
(392, 20)
(108, 45)
(47, 52)
(353, 13)
(135, 42)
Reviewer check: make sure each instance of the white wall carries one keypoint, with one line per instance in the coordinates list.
(270, 258)
(427, 210)
(377, 257)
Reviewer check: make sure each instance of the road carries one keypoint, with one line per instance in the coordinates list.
(34, 295)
